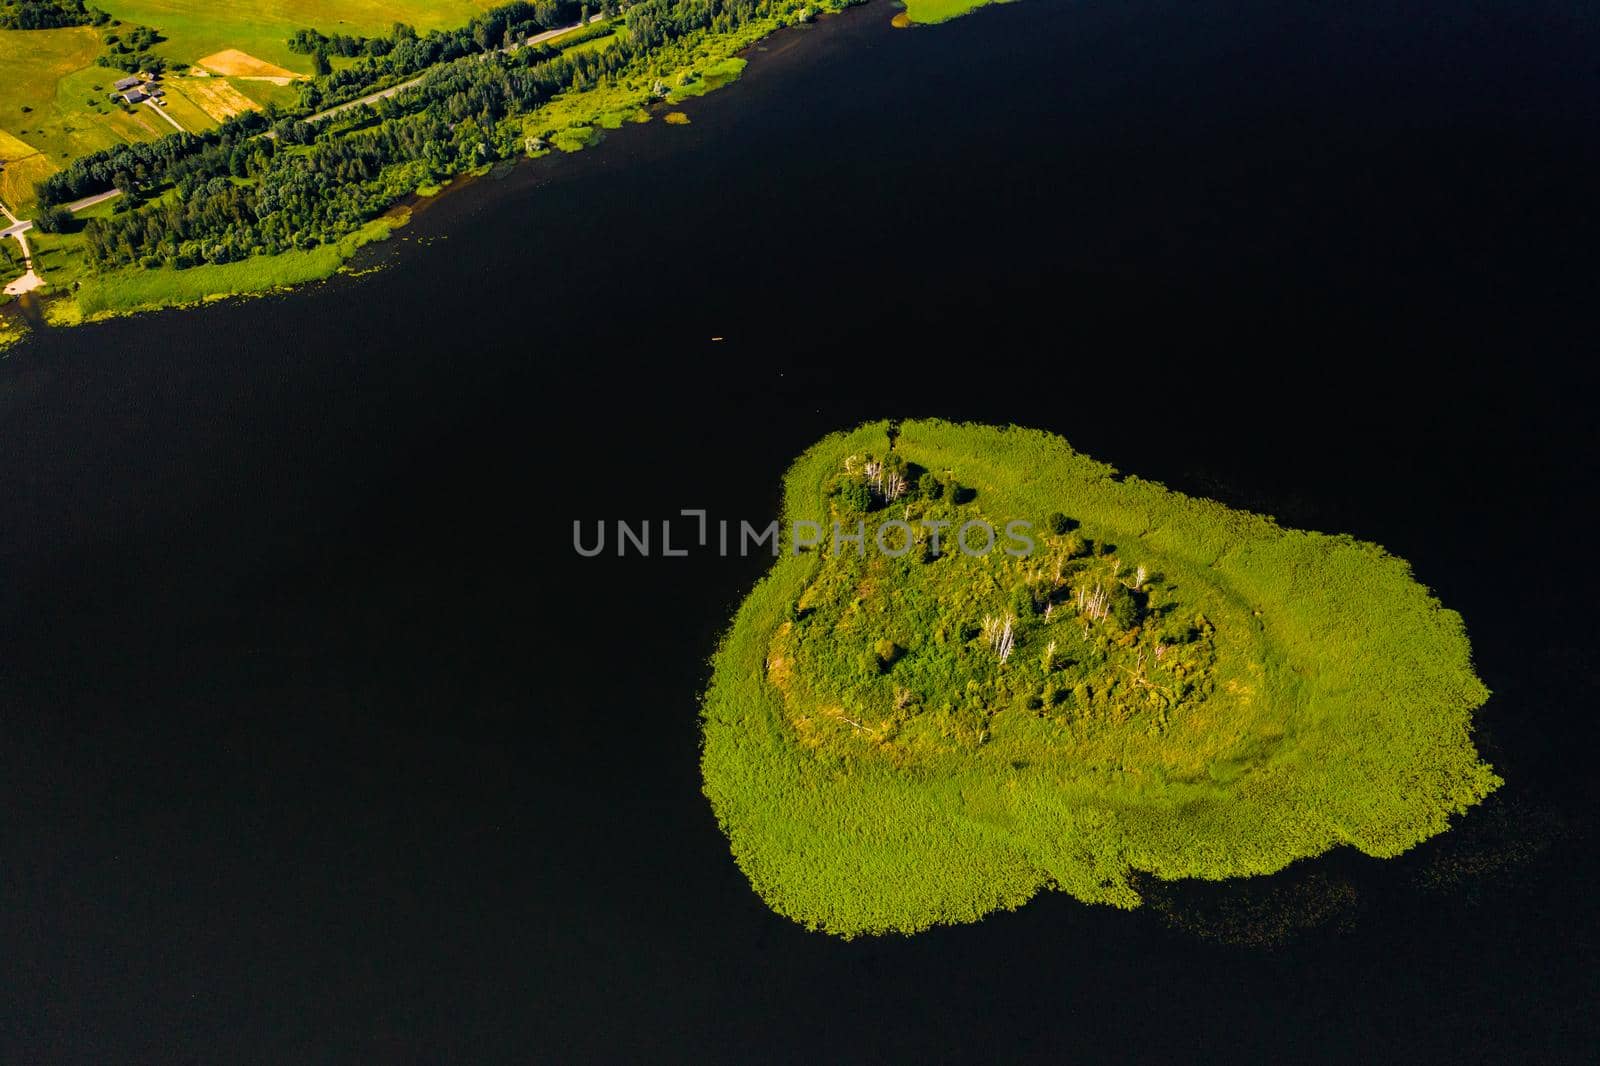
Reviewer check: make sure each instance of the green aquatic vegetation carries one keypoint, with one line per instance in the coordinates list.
(714, 76)
(575, 139)
(12, 329)
(931, 11)
(1129, 681)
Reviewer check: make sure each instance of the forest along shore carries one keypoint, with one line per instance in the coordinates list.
(208, 213)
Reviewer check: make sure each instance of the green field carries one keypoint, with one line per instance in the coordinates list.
(21, 165)
(1164, 686)
(197, 28)
(43, 106)
(595, 44)
(265, 93)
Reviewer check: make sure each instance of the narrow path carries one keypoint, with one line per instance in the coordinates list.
(17, 228)
(20, 226)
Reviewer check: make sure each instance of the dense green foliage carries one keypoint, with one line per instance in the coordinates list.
(1161, 685)
(402, 52)
(121, 291)
(53, 220)
(147, 165)
(48, 14)
(128, 49)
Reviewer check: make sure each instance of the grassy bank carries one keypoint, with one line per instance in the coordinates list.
(686, 69)
(1266, 695)
(128, 291)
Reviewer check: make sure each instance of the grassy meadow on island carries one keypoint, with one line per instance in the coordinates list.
(917, 734)
(161, 152)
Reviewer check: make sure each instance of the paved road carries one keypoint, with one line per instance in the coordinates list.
(21, 226)
(90, 201)
(29, 280)
(372, 98)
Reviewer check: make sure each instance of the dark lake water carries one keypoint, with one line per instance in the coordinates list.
(321, 745)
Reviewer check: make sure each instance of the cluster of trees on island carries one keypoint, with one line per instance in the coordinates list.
(898, 653)
(238, 193)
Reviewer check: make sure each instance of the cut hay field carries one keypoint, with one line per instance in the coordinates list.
(20, 166)
(235, 63)
(184, 110)
(17, 179)
(217, 97)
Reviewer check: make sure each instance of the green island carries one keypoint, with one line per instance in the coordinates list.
(1152, 685)
(158, 153)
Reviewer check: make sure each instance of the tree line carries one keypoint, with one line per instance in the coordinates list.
(403, 53)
